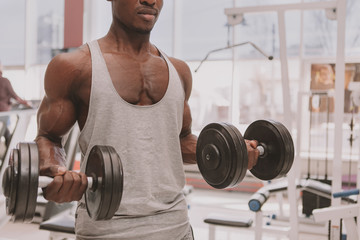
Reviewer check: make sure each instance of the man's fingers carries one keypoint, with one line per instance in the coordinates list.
(66, 188)
(84, 184)
(52, 190)
(253, 143)
(78, 186)
(253, 153)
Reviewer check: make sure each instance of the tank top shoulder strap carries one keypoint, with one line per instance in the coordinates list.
(99, 68)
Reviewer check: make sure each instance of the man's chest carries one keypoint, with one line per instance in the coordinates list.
(139, 82)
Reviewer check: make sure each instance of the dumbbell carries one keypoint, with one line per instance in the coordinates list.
(21, 182)
(222, 158)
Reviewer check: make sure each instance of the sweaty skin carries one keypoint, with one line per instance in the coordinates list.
(140, 77)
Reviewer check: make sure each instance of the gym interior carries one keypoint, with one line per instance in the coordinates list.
(287, 67)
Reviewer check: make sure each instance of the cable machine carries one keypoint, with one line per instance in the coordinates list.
(335, 10)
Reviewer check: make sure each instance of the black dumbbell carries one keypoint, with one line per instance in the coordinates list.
(222, 154)
(21, 182)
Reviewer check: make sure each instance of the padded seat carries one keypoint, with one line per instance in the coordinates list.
(231, 221)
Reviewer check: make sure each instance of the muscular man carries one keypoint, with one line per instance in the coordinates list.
(123, 92)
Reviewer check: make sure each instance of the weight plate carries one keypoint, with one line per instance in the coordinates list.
(118, 183)
(23, 185)
(289, 150)
(241, 150)
(33, 179)
(107, 185)
(99, 166)
(217, 154)
(11, 181)
(279, 149)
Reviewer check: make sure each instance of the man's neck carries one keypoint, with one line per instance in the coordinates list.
(129, 41)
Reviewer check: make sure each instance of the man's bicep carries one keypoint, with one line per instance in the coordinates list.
(55, 118)
(57, 111)
(187, 120)
(187, 139)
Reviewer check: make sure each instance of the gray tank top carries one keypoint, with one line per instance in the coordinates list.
(147, 141)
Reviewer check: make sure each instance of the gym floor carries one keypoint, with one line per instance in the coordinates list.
(202, 203)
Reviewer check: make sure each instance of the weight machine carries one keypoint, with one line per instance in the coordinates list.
(348, 214)
(335, 10)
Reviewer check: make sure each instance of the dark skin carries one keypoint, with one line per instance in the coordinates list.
(140, 76)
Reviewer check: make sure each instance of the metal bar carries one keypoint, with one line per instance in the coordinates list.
(258, 225)
(299, 134)
(177, 29)
(335, 213)
(232, 47)
(288, 122)
(234, 111)
(281, 7)
(211, 232)
(339, 100)
(351, 232)
(19, 112)
(44, 181)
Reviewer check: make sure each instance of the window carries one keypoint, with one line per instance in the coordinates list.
(12, 29)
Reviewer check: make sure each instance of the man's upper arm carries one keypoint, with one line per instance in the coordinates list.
(57, 114)
(186, 79)
(187, 139)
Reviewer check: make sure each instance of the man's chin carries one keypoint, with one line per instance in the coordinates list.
(144, 31)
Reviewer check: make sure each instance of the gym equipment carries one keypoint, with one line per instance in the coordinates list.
(222, 154)
(258, 199)
(312, 199)
(21, 182)
(348, 214)
(233, 46)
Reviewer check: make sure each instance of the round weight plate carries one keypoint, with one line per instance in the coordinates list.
(289, 150)
(12, 182)
(6, 186)
(217, 154)
(241, 150)
(279, 149)
(99, 166)
(118, 182)
(22, 189)
(33, 179)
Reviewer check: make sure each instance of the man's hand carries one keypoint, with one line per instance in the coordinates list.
(28, 104)
(67, 186)
(253, 153)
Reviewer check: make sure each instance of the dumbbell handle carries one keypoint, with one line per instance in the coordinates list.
(261, 150)
(44, 181)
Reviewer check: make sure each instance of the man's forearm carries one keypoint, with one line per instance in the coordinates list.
(50, 152)
(188, 148)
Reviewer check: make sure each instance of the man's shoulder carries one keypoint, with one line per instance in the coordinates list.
(74, 65)
(184, 73)
(72, 58)
(181, 67)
